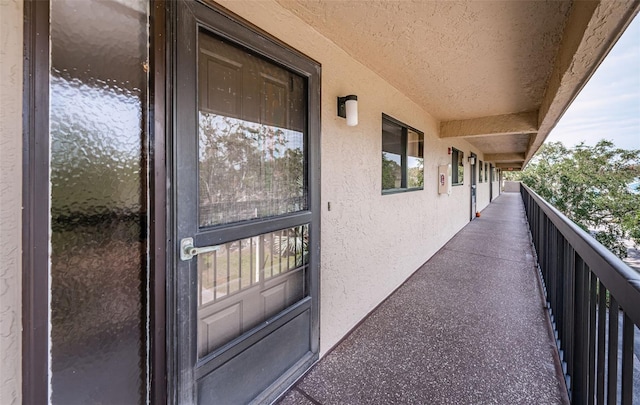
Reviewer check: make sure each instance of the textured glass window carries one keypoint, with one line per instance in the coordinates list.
(98, 85)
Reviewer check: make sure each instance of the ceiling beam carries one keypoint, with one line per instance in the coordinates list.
(504, 157)
(514, 166)
(507, 124)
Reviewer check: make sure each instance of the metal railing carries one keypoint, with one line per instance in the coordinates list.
(593, 299)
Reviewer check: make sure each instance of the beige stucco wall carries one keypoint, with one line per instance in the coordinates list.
(370, 243)
(10, 199)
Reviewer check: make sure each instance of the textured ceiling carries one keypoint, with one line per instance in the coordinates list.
(458, 60)
(497, 73)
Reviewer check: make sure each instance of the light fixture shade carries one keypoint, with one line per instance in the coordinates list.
(348, 108)
(352, 112)
(472, 160)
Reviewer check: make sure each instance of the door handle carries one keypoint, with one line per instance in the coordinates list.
(187, 250)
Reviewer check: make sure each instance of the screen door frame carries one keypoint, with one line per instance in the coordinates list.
(186, 373)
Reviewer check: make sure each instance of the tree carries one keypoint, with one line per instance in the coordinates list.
(590, 185)
(391, 173)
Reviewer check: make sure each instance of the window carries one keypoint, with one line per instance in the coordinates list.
(481, 168)
(457, 166)
(402, 157)
(486, 172)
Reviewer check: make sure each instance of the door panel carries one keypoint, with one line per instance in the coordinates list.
(248, 281)
(247, 192)
(234, 383)
(474, 181)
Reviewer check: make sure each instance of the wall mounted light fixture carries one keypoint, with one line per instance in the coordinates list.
(472, 160)
(348, 108)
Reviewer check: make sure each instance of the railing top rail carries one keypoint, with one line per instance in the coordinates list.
(620, 279)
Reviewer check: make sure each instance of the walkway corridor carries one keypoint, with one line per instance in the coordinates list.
(469, 327)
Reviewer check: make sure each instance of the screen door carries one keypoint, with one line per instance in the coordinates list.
(247, 234)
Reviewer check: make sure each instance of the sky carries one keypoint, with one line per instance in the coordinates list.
(608, 107)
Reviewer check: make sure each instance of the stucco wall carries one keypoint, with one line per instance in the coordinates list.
(370, 243)
(10, 199)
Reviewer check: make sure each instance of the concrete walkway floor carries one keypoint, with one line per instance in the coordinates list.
(469, 327)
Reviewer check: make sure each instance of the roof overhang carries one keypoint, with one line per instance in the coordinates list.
(498, 74)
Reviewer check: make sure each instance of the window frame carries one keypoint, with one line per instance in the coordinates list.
(404, 145)
(457, 161)
(481, 171)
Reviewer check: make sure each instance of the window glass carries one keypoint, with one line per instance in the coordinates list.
(251, 148)
(415, 159)
(402, 156)
(457, 166)
(391, 155)
(481, 169)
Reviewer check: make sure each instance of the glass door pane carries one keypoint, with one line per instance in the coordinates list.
(251, 124)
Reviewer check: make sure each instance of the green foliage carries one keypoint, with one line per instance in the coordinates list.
(589, 184)
(391, 173)
(416, 175)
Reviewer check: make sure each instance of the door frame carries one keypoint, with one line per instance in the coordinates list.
(473, 187)
(181, 386)
(490, 182)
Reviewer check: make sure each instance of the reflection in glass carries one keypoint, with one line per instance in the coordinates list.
(402, 156)
(98, 238)
(251, 136)
(415, 161)
(460, 166)
(247, 281)
(248, 170)
(391, 155)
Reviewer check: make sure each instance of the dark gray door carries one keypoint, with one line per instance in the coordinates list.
(246, 195)
(490, 182)
(473, 185)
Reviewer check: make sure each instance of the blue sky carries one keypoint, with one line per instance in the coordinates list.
(609, 105)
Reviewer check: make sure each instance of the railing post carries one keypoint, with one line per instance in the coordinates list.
(593, 282)
(582, 338)
(602, 343)
(571, 296)
(612, 355)
(628, 331)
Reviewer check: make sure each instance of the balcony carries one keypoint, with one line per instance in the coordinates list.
(482, 322)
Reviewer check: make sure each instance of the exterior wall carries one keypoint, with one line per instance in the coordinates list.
(483, 195)
(370, 243)
(10, 199)
(511, 187)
